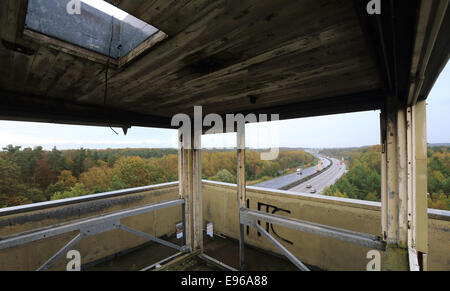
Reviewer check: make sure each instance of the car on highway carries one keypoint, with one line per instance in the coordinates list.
(309, 186)
(313, 191)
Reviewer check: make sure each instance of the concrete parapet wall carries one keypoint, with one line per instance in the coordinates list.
(220, 207)
(32, 255)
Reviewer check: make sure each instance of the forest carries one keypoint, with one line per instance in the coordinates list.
(33, 175)
(363, 180)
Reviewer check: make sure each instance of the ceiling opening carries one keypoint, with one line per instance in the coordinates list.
(97, 26)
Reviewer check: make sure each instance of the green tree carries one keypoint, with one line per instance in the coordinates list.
(57, 161)
(78, 162)
(117, 184)
(132, 171)
(224, 176)
(11, 185)
(36, 195)
(25, 159)
(76, 191)
(65, 182)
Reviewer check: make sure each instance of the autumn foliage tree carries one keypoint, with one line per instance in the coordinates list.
(97, 179)
(34, 175)
(44, 176)
(439, 177)
(11, 186)
(132, 171)
(363, 180)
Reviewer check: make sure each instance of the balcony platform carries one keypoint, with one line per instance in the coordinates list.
(222, 249)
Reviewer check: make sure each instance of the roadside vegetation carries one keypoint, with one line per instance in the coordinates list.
(34, 175)
(363, 180)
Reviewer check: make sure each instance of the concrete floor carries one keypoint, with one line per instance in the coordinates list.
(135, 260)
(194, 264)
(227, 251)
(222, 249)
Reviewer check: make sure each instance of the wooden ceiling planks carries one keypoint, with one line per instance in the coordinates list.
(215, 49)
(218, 53)
(165, 76)
(281, 73)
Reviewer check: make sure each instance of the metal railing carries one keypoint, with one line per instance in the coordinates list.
(93, 226)
(253, 218)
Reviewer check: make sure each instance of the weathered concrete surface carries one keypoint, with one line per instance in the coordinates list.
(226, 250)
(396, 258)
(220, 207)
(33, 255)
(438, 241)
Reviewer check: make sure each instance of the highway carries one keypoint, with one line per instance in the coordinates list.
(320, 182)
(280, 182)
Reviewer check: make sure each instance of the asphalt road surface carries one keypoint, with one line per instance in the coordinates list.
(320, 182)
(280, 182)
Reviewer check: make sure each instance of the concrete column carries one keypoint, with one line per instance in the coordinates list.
(397, 252)
(417, 192)
(241, 193)
(189, 169)
(404, 171)
(402, 178)
(197, 190)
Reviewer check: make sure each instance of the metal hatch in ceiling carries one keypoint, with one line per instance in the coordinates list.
(97, 25)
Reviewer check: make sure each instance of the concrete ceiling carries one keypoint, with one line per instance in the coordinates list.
(296, 58)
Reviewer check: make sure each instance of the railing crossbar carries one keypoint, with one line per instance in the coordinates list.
(97, 224)
(152, 238)
(160, 263)
(89, 227)
(252, 217)
(278, 245)
(61, 252)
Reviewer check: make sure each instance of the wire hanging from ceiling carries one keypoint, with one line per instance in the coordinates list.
(107, 70)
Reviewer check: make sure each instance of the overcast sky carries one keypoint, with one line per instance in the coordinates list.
(344, 130)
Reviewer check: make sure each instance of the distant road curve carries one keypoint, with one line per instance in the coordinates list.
(326, 179)
(281, 182)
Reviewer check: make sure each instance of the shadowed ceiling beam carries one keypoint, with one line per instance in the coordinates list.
(17, 107)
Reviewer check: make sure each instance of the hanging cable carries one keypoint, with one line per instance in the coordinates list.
(105, 96)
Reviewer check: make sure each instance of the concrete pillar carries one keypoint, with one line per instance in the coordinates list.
(403, 170)
(189, 173)
(396, 252)
(241, 193)
(417, 193)
(197, 190)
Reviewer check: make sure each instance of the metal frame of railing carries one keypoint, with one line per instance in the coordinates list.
(253, 218)
(81, 199)
(100, 224)
(93, 226)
